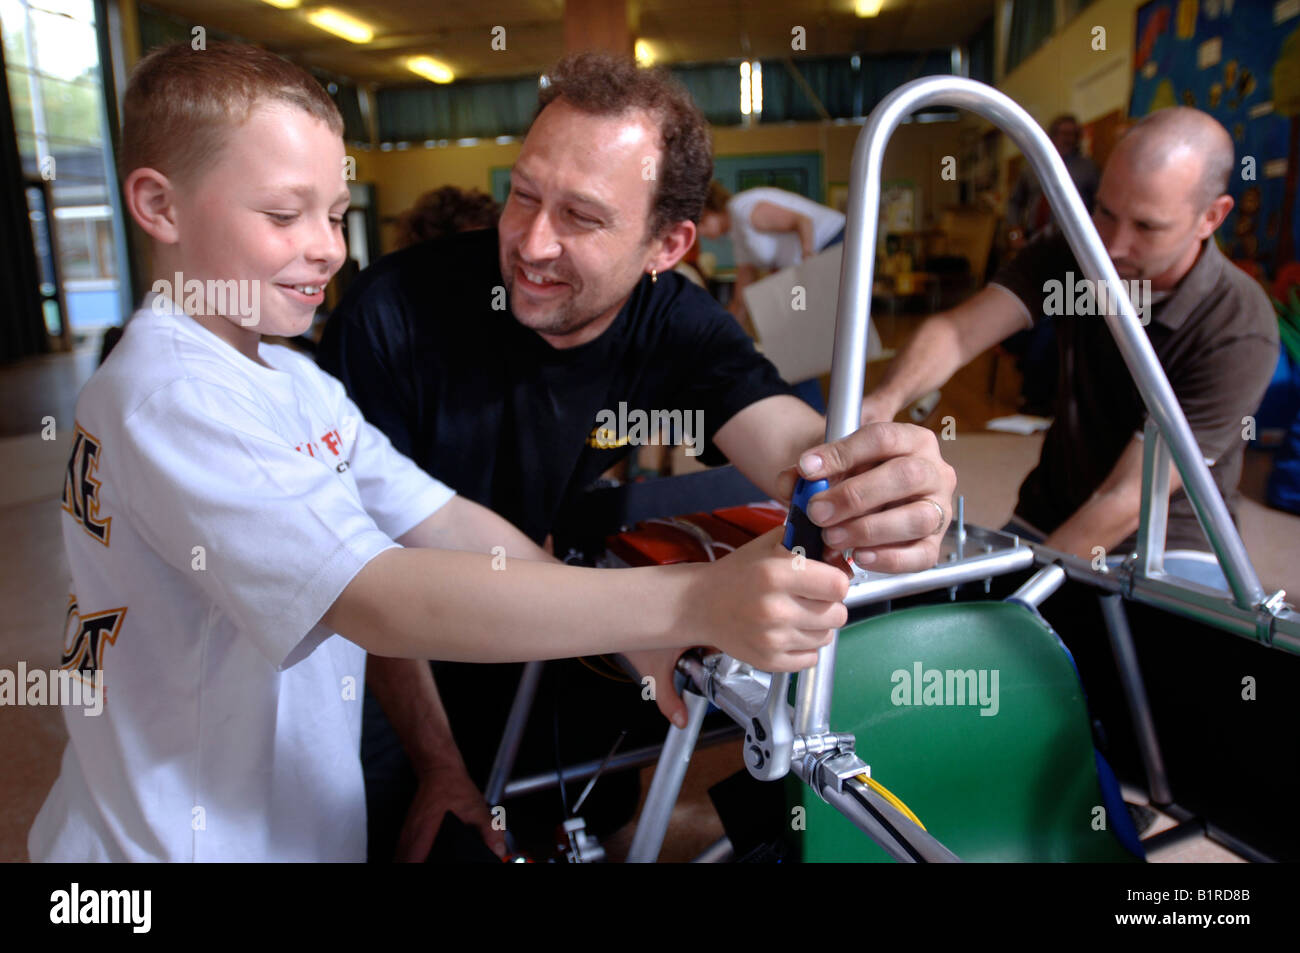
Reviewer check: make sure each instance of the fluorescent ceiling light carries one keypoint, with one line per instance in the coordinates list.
(867, 8)
(283, 4)
(430, 69)
(340, 24)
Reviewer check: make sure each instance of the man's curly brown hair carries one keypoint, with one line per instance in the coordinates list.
(603, 84)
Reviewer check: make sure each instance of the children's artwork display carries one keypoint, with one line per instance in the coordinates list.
(1239, 61)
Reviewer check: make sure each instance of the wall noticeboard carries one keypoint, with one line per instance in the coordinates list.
(1239, 61)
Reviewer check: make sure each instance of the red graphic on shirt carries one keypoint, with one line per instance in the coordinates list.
(331, 438)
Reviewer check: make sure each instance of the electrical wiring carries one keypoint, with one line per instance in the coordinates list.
(892, 798)
(903, 842)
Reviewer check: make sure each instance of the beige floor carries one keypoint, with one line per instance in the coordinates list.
(34, 587)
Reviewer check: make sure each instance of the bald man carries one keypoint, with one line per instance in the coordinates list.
(1160, 199)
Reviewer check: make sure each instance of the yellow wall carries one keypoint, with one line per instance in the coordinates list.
(1066, 74)
(915, 152)
(400, 177)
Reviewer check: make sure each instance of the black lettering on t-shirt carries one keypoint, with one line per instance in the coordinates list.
(81, 489)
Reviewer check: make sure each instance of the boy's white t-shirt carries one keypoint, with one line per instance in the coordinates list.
(214, 509)
(777, 249)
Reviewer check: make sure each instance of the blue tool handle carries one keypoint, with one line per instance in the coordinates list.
(799, 529)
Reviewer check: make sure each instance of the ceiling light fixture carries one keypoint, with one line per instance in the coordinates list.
(340, 24)
(430, 69)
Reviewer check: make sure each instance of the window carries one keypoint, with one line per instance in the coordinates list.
(52, 60)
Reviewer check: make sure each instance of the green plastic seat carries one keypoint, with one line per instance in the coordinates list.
(1005, 775)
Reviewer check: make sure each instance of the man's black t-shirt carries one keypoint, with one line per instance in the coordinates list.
(426, 345)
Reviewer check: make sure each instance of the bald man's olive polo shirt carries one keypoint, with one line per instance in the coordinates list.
(1215, 335)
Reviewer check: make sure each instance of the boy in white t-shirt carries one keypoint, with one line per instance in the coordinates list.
(227, 511)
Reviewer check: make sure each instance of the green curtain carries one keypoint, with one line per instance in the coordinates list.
(1075, 7)
(833, 80)
(1032, 22)
(848, 87)
(348, 100)
(980, 50)
(457, 110)
(715, 87)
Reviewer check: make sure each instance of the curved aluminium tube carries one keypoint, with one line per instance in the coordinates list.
(848, 368)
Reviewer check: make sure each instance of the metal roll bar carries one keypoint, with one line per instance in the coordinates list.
(825, 760)
(1267, 615)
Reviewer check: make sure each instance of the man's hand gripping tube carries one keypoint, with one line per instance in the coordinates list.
(802, 535)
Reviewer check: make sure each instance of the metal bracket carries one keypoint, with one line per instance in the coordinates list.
(1266, 613)
(756, 700)
(830, 769)
(826, 741)
(769, 735)
(1125, 572)
(582, 847)
(829, 759)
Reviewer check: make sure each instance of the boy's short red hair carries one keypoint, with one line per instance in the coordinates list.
(181, 103)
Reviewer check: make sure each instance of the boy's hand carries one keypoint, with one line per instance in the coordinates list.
(448, 789)
(660, 665)
(764, 605)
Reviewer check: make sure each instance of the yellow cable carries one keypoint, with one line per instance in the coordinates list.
(889, 796)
